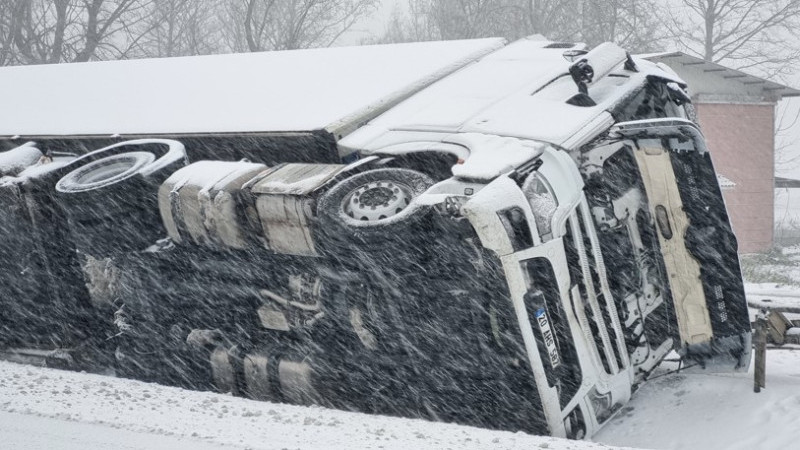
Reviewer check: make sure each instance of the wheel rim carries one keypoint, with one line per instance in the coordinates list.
(105, 171)
(377, 200)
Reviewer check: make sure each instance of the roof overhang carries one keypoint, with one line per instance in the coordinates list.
(712, 82)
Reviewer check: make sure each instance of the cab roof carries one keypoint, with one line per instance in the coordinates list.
(521, 90)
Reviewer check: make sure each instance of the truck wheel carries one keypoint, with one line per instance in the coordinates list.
(111, 196)
(104, 172)
(373, 207)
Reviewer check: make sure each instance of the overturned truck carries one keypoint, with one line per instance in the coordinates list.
(506, 236)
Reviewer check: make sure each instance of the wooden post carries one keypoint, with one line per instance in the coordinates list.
(760, 342)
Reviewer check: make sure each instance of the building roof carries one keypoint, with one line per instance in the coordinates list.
(280, 91)
(711, 81)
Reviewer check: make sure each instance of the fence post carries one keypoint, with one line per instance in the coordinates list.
(760, 342)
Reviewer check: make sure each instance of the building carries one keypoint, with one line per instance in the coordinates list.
(737, 114)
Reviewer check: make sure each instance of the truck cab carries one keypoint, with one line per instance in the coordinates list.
(593, 188)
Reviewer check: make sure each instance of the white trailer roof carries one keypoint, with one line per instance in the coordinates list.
(254, 92)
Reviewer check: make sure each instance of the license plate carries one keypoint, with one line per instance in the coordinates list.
(547, 337)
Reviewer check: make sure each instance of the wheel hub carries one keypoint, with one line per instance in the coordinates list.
(377, 200)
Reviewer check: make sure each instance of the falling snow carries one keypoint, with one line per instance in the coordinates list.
(517, 266)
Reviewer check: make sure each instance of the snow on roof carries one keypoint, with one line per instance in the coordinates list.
(451, 103)
(518, 91)
(711, 79)
(254, 92)
(492, 155)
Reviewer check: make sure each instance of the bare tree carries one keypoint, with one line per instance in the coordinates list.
(411, 22)
(759, 34)
(256, 25)
(465, 19)
(35, 31)
(396, 29)
(183, 27)
(787, 153)
(555, 19)
(632, 23)
(6, 32)
(110, 29)
(42, 31)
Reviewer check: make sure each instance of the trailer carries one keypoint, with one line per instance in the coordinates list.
(271, 107)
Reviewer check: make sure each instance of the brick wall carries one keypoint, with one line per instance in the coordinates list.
(741, 140)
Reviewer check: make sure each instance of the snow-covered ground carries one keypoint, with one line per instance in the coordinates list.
(50, 409)
(57, 410)
(714, 411)
(24, 431)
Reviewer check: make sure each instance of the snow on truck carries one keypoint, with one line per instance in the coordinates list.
(506, 236)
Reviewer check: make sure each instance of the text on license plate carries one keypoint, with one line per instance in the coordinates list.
(548, 338)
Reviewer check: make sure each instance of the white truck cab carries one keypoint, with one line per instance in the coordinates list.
(566, 162)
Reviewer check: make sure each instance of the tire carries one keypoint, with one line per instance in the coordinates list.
(110, 196)
(372, 210)
(104, 172)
